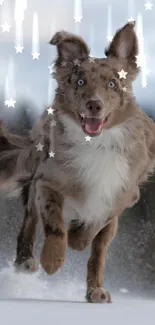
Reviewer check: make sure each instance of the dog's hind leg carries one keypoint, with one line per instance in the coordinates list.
(26, 238)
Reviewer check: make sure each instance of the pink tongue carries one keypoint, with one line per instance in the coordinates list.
(93, 126)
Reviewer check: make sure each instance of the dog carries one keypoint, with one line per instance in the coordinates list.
(84, 160)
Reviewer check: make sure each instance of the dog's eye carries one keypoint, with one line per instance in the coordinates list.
(80, 82)
(111, 84)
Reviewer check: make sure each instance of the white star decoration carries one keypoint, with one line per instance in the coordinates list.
(39, 146)
(124, 89)
(51, 154)
(63, 63)
(91, 59)
(78, 19)
(77, 62)
(109, 38)
(35, 55)
(52, 68)
(139, 60)
(82, 114)
(10, 102)
(19, 49)
(131, 20)
(148, 6)
(53, 123)
(88, 138)
(50, 110)
(122, 74)
(6, 27)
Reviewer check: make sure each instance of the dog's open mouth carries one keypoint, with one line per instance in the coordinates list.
(92, 125)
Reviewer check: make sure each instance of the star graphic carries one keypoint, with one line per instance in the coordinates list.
(53, 123)
(91, 59)
(82, 114)
(139, 60)
(51, 154)
(6, 27)
(144, 85)
(78, 19)
(35, 55)
(19, 49)
(77, 62)
(148, 6)
(63, 63)
(109, 38)
(131, 20)
(39, 146)
(124, 89)
(88, 138)
(122, 74)
(10, 103)
(50, 110)
(52, 68)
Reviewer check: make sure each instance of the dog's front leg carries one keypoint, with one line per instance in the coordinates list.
(95, 268)
(49, 205)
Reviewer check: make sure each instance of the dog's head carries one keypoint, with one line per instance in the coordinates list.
(93, 91)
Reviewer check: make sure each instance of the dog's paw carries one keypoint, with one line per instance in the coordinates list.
(53, 254)
(98, 295)
(30, 265)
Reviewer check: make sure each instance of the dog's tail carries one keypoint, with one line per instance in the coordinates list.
(19, 158)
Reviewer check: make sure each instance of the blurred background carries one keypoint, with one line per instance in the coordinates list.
(26, 87)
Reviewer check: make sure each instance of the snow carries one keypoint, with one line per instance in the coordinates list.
(29, 299)
(41, 312)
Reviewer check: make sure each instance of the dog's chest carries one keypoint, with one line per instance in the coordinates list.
(104, 175)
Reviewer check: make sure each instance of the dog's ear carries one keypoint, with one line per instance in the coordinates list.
(124, 44)
(69, 46)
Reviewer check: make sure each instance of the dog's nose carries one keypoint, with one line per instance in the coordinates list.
(94, 106)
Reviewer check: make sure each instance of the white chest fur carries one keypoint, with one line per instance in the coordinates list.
(103, 169)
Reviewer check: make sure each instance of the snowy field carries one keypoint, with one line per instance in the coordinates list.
(29, 299)
(130, 312)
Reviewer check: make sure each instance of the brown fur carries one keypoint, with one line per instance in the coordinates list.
(126, 135)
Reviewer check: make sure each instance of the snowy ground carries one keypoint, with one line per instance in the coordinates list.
(27, 299)
(129, 312)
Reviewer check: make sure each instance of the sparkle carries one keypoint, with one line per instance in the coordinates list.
(52, 68)
(51, 154)
(10, 102)
(77, 62)
(88, 138)
(53, 123)
(148, 6)
(82, 114)
(139, 60)
(6, 27)
(131, 20)
(19, 49)
(122, 74)
(63, 63)
(50, 110)
(35, 55)
(91, 59)
(77, 19)
(39, 146)
(109, 38)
